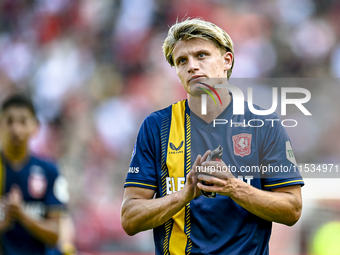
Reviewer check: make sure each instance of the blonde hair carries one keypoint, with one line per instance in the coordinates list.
(197, 28)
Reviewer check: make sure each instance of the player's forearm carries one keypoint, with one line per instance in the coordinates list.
(279, 207)
(142, 214)
(46, 231)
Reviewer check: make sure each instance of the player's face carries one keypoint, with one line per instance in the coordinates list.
(198, 59)
(17, 126)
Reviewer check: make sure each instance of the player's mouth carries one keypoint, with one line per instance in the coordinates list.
(16, 140)
(195, 78)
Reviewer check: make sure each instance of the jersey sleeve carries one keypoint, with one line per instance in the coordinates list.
(57, 193)
(142, 170)
(277, 159)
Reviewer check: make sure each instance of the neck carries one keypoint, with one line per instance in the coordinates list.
(15, 154)
(213, 110)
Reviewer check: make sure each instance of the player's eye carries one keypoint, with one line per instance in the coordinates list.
(181, 61)
(9, 121)
(201, 55)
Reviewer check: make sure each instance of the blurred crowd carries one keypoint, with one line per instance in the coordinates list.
(95, 69)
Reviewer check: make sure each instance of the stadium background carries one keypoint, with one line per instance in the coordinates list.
(95, 69)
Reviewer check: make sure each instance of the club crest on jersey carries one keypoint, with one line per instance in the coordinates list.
(37, 182)
(242, 144)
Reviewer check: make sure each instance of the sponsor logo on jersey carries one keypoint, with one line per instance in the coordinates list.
(174, 184)
(33, 209)
(242, 144)
(289, 153)
(37, 182)
(176, 150)
(134, 170)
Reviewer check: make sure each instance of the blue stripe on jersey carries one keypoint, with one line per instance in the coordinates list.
(217, 226)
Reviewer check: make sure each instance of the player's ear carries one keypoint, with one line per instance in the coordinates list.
(228, 60)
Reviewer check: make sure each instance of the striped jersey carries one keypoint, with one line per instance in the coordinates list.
(258, 152)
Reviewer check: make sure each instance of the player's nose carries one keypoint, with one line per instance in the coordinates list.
(192, 65)
(16, 128)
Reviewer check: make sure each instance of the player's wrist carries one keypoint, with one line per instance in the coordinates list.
(183, 196)
(235, 185)
(21, 217)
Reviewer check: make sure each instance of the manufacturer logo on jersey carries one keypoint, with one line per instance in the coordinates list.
(242, 144)
(37, 182)
(176, 150)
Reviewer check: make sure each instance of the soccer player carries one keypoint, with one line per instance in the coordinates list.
(32, 191)
(163, 189)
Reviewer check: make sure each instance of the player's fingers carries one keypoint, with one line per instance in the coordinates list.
(213, 163)
(217, 168)
(205, 156)
(13, 211)
(212, 179)
(189, 177)
(15, 192)
(197, 162)
(213, 188)
(223, 174)
(198, 159)
(10, 197)
(15, 188)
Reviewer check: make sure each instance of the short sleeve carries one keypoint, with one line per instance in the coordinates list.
(277, 159)
(142, 170)
(57, 195)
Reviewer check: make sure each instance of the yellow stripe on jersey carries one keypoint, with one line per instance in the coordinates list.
(281, 183)
(143, 184)
(176, 163)
(2, 176)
